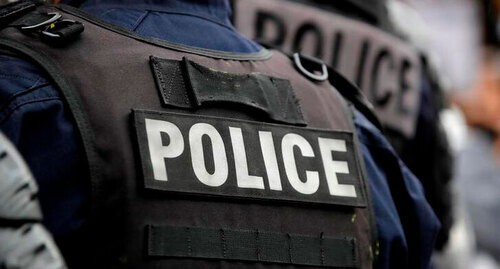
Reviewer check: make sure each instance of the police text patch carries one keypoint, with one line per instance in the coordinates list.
(221, 157)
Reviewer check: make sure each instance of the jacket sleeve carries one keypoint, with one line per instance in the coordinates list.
(25, 242)
(407, 226)
(35, 118)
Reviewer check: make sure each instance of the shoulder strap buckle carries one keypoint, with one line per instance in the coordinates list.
(61, 31)
(50, 27)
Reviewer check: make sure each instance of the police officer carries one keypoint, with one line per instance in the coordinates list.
(385, 59)
(194, 147)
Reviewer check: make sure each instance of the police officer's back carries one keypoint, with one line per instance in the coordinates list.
(194, 159)
(359, 40)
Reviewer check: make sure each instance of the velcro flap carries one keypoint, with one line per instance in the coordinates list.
(170, 82)
(274, 96)
(189, 85)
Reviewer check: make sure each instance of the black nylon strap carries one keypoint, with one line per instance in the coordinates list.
(186, 84)
(14, 10)
(251, 246)
(347, 89)
(350, 92)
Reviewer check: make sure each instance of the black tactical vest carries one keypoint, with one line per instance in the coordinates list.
(357, 39)
(204, 159)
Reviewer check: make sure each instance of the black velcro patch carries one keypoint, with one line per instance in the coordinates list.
(170, 82)
(186, 84)
(252, 246)
(221, 157)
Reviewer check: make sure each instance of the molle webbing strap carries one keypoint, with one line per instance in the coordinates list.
(251, 246)
(186, 84)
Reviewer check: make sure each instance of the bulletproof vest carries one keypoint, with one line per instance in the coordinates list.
(386, 69)
(201, 158)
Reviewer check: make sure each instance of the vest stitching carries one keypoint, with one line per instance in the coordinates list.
(321, 249)
(289, 239)
(140, 20)
(190, 250)
(257, 244)
(223, 241)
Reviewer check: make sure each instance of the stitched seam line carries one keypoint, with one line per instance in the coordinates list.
(140, 20)
(18, 77)
(8, 113)
(171, 11)
(21, 93)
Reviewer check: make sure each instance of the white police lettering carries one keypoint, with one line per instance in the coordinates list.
(243, 179)
(158, 151)
(270, 160)
(327, 146)
(226, 157)
(220, 173)
(311, 184)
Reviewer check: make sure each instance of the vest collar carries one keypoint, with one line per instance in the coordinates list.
(219, 10)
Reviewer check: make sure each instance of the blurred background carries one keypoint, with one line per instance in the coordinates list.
(463, 39)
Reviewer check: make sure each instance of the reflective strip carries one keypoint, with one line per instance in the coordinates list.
(251, 246)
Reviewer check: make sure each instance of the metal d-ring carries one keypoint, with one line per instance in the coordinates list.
(298, 63)
(55, 16)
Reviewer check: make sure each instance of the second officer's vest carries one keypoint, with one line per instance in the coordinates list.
(383, 66)
(205, 159)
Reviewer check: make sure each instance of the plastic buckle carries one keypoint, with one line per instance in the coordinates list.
(297, 58)
(55, 16)
(61, 31)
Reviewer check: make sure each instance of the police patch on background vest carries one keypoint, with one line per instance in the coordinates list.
(386, 69)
